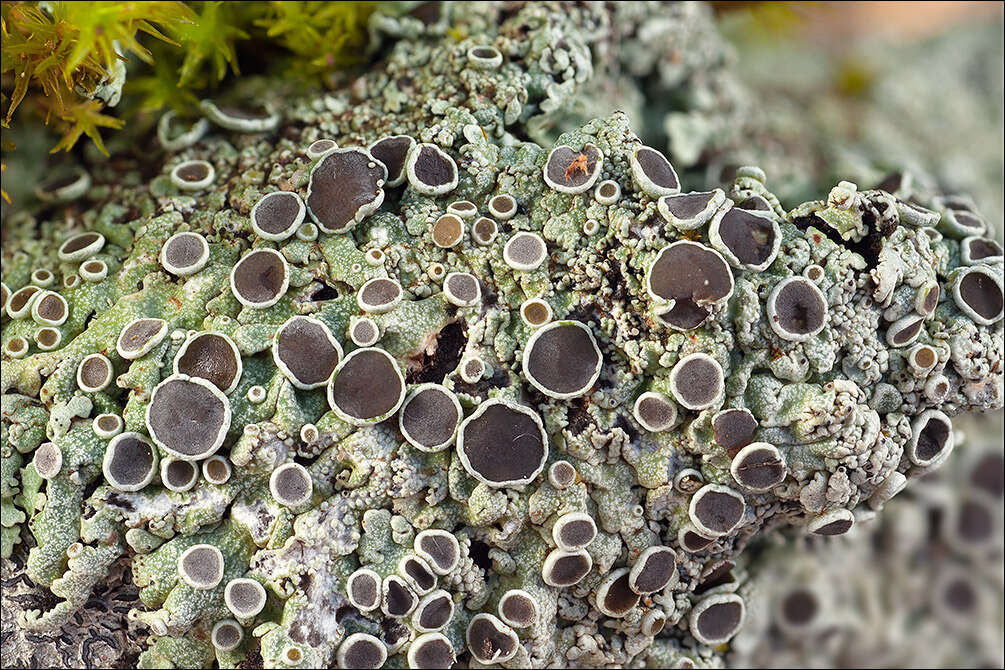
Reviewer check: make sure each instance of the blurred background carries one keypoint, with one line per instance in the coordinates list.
(812, 92)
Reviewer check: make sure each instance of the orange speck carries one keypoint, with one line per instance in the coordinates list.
(577, 164)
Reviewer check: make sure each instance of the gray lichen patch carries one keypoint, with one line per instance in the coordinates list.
(412, 442)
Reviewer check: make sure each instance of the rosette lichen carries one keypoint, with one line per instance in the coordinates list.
(527, 407)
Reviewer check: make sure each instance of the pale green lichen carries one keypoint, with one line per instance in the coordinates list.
(371, 491)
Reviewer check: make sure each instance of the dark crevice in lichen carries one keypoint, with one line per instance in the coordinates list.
(479, 552)
(446, 355)
(577, 416)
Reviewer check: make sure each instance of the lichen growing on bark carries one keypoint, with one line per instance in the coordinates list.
(528, 406)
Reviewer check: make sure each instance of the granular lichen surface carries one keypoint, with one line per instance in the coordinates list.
(525, 407)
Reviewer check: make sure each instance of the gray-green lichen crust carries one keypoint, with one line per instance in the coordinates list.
(557, 445)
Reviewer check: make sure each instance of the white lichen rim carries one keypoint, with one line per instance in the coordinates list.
(402, 176)
(771, 312)
(364, 210)
(517, 265)
(553, 477)
(341, 656)
(465, 209)
(16, 347)
(516, 408)
(92, 275)
(110, 449)
(500, 627)
(147, 346)
(821, 521)
(465, 363)
(528, 348)
(359, 342)
(700, 527)
(416, 390)
(423, 563)
(166, 463)
(677, 392)
(607, 200)
(950, 224)
(23, 311)
(216, 629)
(962, 304)
(380, 417)
(669, 303)
(718, 204)
(715, 239)
(453, 299)
(285, 369)
(484, 241)
(554, 557)
(221, 434)
(291, 228)
(653, 622)
(197, 185)
(191, 269)
(567, 518)
(918, 425)
(185, 577)
(921, 297)
(51, 345)
(279, 294)
(605, 586)
(182, 140)
(105, 434)
(485, 62)
(52, 453)
(517, 593)
(707, 602)
(83, 252)
(536, 301)
(207, 469)
(308, 232)
(737, 462)
(894, 483)
(404, 585)
(691, 528)
(192, 337)
(382, 308)
(585, 186)
(645, 182)
(357, 574)
(104, 383)
(43, 278)
(661, 397)
(678, 478)
(434, 594)
(45, 321)
(67, 192)
(640, 564)
(813, 272)
(502, 214)
(5, 294)
(416, 645)
(914, 352)
(440, 533)
(274, 485)
(314, 154)
(902, 324)
(419, 185)
(240, 124)
(965, 251)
